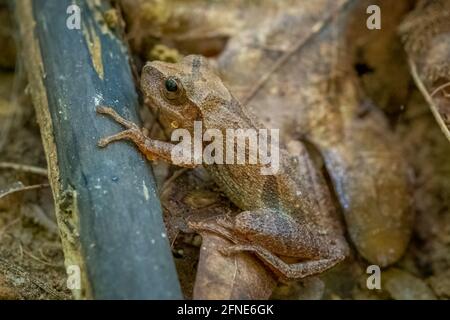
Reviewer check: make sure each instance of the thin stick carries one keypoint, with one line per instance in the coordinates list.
(24, 168)
(445, 85)
(172, 178)
(428, 98)
(24, 188)
(7, 226)
(318, 27)
(32, 256)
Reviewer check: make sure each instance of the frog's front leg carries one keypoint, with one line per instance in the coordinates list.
(152, 149)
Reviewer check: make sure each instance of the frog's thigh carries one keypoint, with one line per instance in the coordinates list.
(289, 271)
(279, 233)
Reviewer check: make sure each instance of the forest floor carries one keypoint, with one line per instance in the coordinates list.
(31, 256)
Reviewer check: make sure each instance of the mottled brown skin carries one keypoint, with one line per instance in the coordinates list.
(289, 214)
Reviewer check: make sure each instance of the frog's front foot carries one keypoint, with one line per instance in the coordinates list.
(133, 132)
(130, 134)
(115, 116)
(151, 148)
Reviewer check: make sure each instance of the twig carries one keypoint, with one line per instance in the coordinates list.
(23, 188)
(445, 85)
(428, 98)
(37, 214)
(318, 27)
(32, 256)
(7, 226)
(24, 168)
(172, 178)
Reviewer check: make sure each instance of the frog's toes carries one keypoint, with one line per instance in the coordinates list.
(236, 248)
(211, 226)
(105, 110)
(103, 142)
(130, 134)
(116, 117)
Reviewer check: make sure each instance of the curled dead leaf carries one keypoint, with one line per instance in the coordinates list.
(239, 276)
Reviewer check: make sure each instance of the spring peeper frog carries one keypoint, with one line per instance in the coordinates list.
(288, 218)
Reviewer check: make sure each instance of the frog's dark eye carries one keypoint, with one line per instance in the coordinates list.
(171, 85)
(172, 88)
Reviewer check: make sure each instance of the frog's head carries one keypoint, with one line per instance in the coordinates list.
(183, 92)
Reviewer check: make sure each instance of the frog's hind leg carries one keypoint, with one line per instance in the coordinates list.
(280, 267)
(269, 228)
(214, 227)
(289, 271)
(278, 232)
(269, 233)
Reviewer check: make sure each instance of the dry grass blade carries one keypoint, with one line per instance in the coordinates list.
(429, 98)
(24, 168)
(19, 187)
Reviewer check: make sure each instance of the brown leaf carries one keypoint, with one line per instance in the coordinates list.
(239, 276)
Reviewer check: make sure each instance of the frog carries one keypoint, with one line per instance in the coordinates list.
(289, 219)
(315, 94)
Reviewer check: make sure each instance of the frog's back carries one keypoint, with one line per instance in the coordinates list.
(299, 192)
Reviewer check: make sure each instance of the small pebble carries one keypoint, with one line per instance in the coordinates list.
(197, 241)
(402, 285)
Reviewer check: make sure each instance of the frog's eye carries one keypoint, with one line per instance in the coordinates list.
(171, 85)
(172, 88)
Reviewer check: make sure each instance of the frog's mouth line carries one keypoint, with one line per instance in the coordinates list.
(151, 103)
(156, 110)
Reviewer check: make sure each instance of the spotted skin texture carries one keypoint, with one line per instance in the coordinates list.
(287, 216)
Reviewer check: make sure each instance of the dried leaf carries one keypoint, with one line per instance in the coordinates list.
(240, 276)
